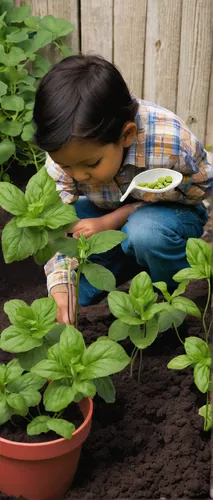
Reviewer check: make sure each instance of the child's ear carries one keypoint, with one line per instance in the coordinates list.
(129, 134)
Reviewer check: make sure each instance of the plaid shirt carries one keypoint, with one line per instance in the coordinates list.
(162, 140)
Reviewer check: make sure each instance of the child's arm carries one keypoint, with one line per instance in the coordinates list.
(113, 220)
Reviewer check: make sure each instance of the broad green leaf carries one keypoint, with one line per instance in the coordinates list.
(86, 388)
(13, 371)
(144, 337)
(119, 331)
(2, 373)
(202, 377)
(61, 427)
(162, 286)
(66, 246)
(105, 389)
(18, 14)
(38, 425)
(34, 356)
(59, 214)
(19, 243)
(32, 22)
(58, 27)
(12, 199)
(120, 305)
(196, 349)
(17, 403)
(41, 39)
(58, 396)
(102, 359)
(169, 318)
(186, 305)
(28, 132)
(41, 188)
(17, 36)
(28, 116)
(11, 127)
(17, 339)
(13, 57)
(15, 75)
(12, 103)
(50, 369)
(41, 66)
(98, 276)
(29, 221)
(206, 413)
(42, 256)
(188, 274)
(7, 149)
(66, 51)
(71, 346)
(54, 353)
(104, 241)
(141, 288)
(26, 381)
(180, 289)
(45, 310)
(3, 88)
(154, 309)
(199, 254)
(12, 307)
(180, 362)
(5, 410)
(31, 396)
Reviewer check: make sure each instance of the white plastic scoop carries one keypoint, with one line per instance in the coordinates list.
(152, 176)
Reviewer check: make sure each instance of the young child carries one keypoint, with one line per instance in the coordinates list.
(99, 137)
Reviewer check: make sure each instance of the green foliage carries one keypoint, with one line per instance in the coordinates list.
(38, 213)
(22, 36)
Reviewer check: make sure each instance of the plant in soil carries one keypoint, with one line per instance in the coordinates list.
(21, 67)
(198, 351)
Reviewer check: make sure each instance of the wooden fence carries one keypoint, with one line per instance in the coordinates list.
(162, 47)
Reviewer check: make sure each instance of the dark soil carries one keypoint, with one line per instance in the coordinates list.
(150, 443)
(17, 432)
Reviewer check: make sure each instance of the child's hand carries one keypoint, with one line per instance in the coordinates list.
(88, 227)
(63, 315)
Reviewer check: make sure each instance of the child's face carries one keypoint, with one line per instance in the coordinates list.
(92, 163)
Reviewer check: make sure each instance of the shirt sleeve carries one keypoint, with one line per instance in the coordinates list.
(65, 185)
(56, 269)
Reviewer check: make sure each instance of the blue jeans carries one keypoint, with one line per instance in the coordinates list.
(156, 242)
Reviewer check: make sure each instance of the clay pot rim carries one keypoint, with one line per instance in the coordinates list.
(58, 441)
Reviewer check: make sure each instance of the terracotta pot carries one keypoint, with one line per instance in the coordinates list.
(43, 471)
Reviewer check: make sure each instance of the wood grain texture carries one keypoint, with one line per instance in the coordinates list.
(209, 127)
(67, 9)
(97, 27)
(195, 64)
(162, 52)
(129, 41)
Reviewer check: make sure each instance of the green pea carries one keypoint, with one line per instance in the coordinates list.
(161, 179)
(169, 179)
(142, 184)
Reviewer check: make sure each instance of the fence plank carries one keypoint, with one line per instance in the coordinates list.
(195, 64)
(162, 52)
(129, 41)
(96, 27)
(67, 9)
(209, 128)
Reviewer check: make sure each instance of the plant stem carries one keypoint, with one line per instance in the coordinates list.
(140, 365)
(177, 333)
(133, 361)
(70, 298)
(38, 410)
(205, 311)
(206, 416)
(77, 294)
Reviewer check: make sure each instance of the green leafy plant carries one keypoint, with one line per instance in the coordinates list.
(82, 249)
(75, 371)
(21, 66)
(198, 351)
(33, 330)
(40, 217)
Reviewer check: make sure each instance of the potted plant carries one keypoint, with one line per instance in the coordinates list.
(45, 470)
(21, 66)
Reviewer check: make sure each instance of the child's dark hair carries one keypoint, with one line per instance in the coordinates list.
(82, 97)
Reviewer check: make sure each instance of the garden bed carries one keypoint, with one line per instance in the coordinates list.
(150, 443)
